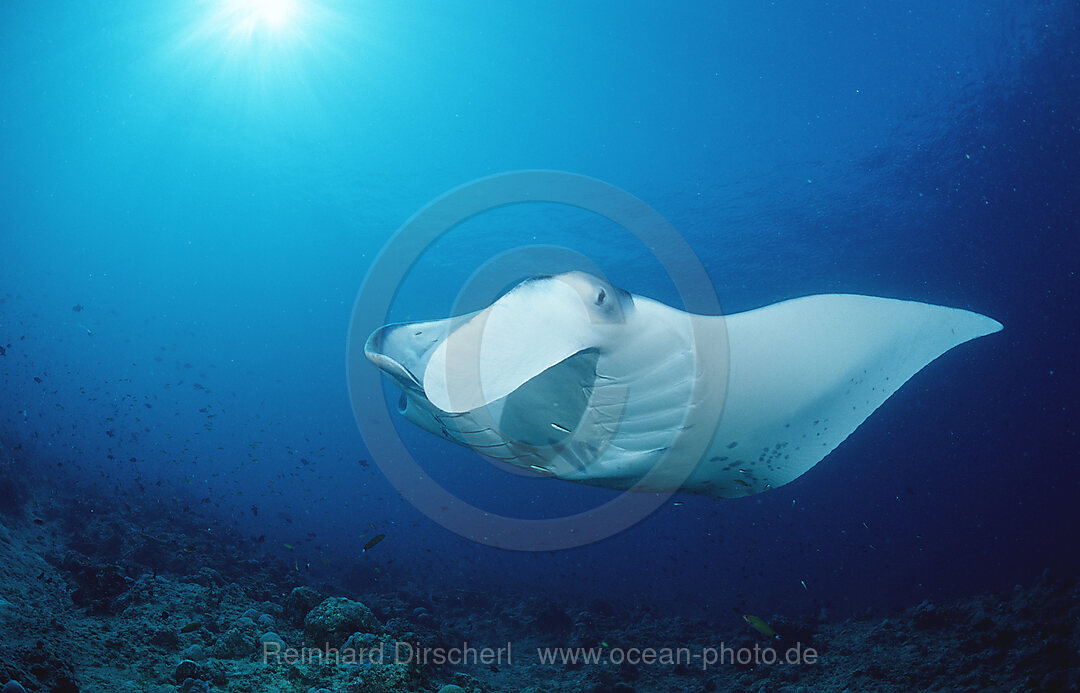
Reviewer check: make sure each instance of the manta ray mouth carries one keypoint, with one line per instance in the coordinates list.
(402, 351)
(374, 351)
(394, 369)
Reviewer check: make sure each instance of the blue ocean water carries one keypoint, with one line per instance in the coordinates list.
(193, 193)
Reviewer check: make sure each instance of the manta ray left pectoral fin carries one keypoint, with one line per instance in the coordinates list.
(805, 373)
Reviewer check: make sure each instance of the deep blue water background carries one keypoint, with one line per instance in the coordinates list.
(212, 201)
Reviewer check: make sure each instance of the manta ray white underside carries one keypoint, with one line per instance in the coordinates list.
(574, 378)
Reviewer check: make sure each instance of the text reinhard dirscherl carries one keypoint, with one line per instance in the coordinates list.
(401, 652)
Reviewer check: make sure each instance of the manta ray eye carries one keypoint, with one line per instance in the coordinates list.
(600, 297)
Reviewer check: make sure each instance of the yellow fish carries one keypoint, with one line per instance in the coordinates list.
(760, 626)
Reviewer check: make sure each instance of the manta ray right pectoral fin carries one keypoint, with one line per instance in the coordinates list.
(501, 348)
(805, 373)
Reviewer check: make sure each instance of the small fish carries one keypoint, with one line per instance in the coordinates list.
(678, 503)
(803, 583)
(77, 307)
(290, 547)
(191, 627)
(373, 541)
(760, 626)
(38, 521)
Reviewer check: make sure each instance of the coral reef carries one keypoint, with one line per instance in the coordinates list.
(122, 602)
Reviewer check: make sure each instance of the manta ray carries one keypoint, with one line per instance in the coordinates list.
(571, 377)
